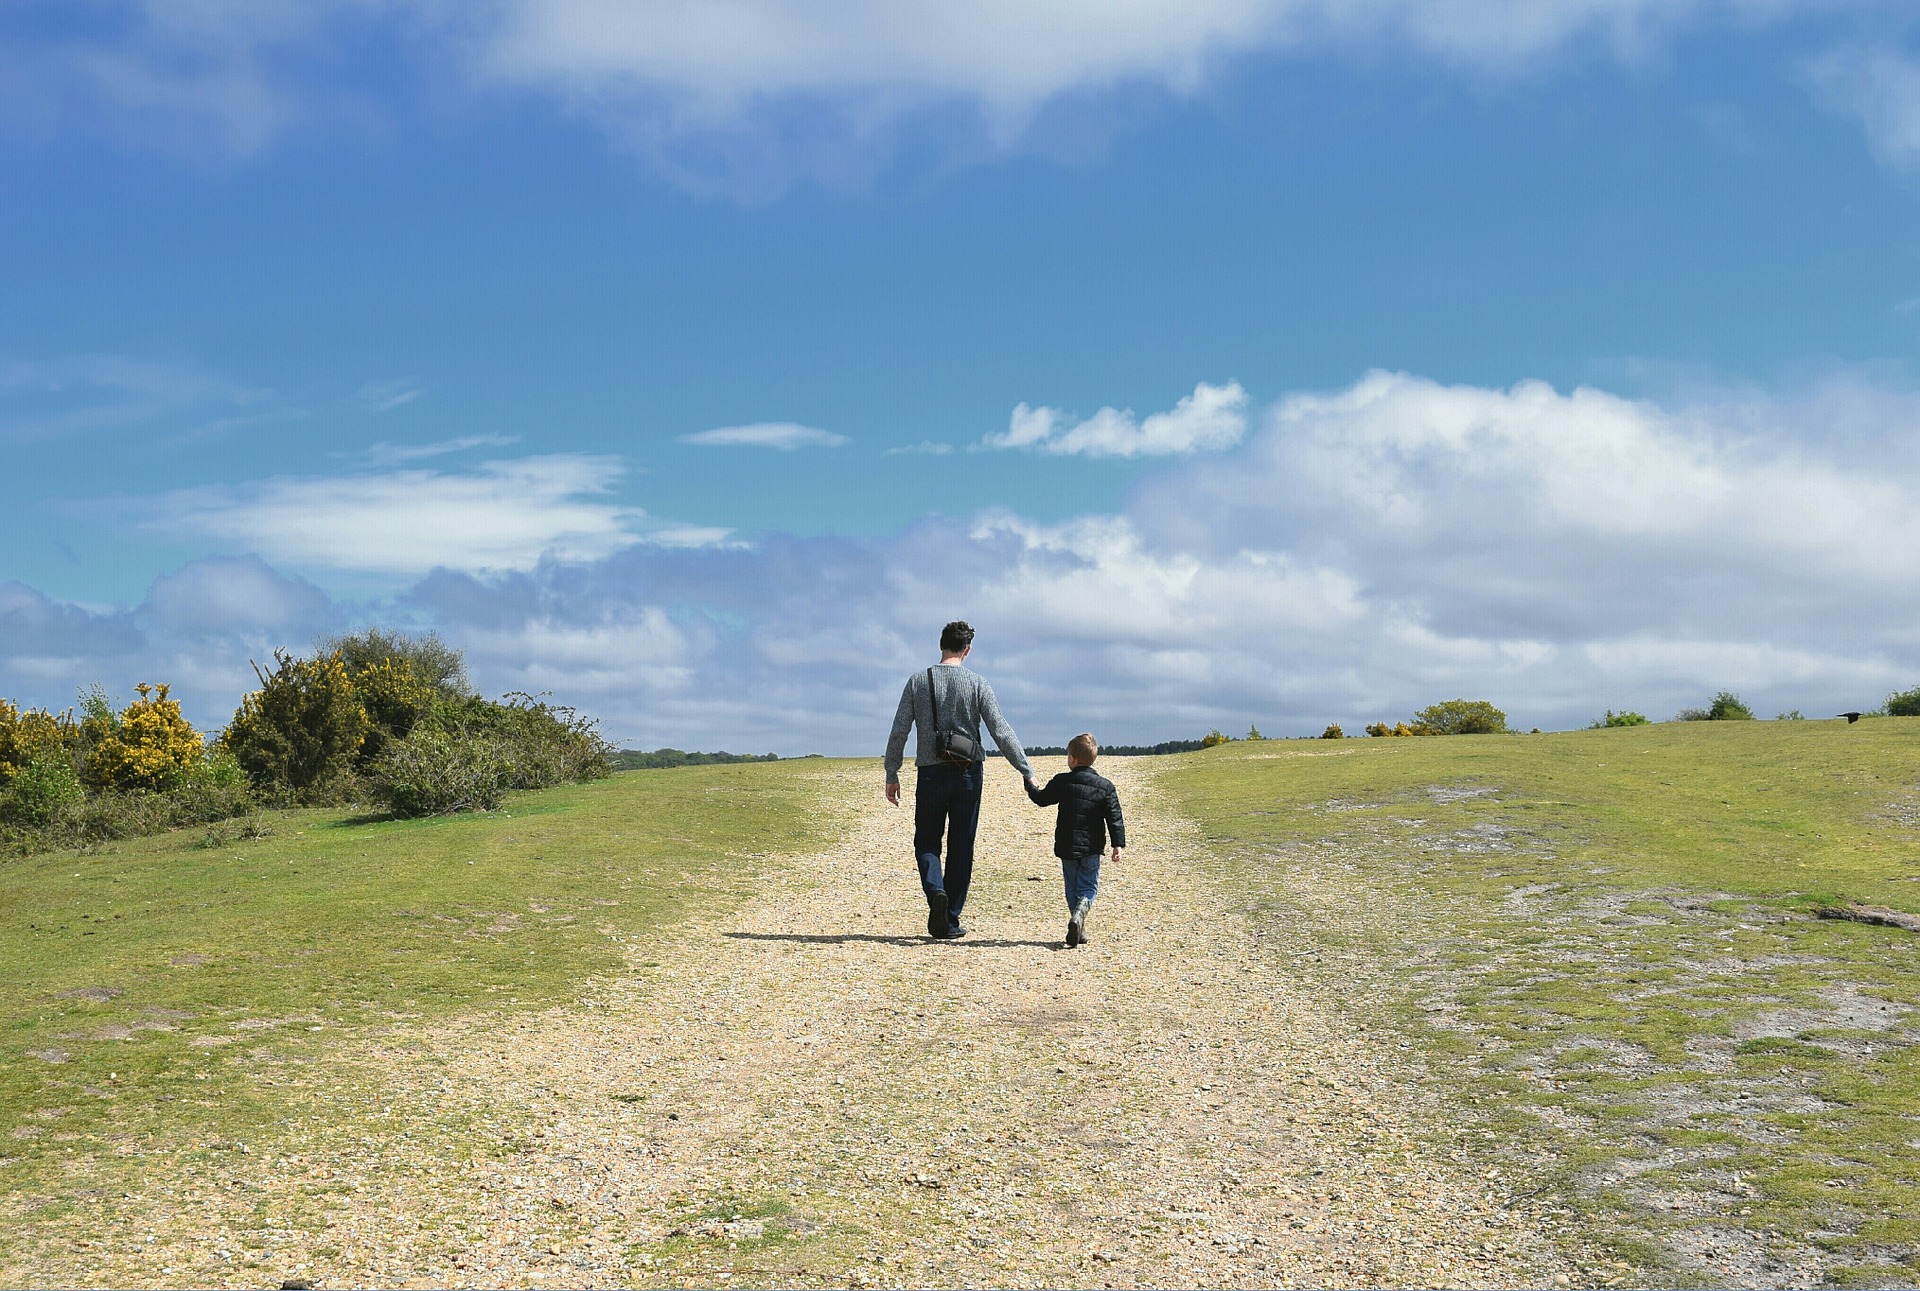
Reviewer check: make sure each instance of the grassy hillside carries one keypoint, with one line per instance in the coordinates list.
(1605, 939)
(163, 986)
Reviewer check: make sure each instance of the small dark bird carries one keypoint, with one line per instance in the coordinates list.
(1851, 717)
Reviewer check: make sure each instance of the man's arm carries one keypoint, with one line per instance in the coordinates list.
(897, 741)
(1003, 733)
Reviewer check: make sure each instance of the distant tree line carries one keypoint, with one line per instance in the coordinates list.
(1123, 750)
(640, 760)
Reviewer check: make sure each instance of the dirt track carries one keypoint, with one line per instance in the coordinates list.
(803, 1091)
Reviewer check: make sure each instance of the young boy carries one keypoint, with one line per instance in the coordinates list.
(1089, 809)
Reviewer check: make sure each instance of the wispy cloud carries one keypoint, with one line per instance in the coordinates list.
(926, 446)
(58, 398)
(1209, 419)
(385, 396)
(502, 515)
(1879, 86)
(783, 435)
(398, 454)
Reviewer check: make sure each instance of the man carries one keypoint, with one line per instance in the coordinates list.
(947, 793)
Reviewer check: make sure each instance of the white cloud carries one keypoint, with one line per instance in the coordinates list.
(1208, 420)
(783, 435)
(745, 96)
(503, 515)
(928, 447)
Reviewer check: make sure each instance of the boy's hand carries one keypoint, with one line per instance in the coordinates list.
(893, 792)
(1116, 854)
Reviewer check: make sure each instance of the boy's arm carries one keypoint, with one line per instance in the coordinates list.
(1116, 823)
(1045, 795)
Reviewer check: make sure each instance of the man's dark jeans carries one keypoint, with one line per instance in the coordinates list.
(946, 800)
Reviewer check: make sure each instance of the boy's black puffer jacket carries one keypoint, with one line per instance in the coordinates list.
(1089, 808)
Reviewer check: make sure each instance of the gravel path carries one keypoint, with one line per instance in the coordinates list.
(802, 1091)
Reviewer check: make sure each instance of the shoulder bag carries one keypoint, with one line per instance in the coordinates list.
(950, 746)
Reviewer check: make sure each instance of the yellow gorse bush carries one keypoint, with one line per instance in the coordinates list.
(152, 746)
(29, 736)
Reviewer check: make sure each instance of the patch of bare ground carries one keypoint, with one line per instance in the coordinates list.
(803, 1091)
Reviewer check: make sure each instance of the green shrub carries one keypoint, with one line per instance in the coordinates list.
(432, 661)
(302, 729)
(1253, 733)
(1333, 732)
(547, 744)
(1213, 739)
(1619, 719)
(1726, 707)
(1460, 717)
(1791, 715)
(1904, 703)
(41, 791)
(435, 771)
(1692, 715)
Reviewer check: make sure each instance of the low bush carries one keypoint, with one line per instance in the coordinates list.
(1692, 715)
(435, 772)
(1726, 707)
(66, 783)
(1904, 703)
(1213, 739)
(1460, 717)
(1619, 719)
(1791, 715)
(1333, 732)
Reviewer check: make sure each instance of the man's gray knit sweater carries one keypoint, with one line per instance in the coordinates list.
(966, 700)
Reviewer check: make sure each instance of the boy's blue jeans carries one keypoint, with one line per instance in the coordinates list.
(946, 800)
(1082, 880)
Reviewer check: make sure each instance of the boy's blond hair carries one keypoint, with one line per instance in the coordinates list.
(1083, 748)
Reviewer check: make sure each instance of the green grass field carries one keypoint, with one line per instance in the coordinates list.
(160, 989)
(1605, 941)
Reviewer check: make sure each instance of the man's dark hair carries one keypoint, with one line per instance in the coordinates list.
(956, 636)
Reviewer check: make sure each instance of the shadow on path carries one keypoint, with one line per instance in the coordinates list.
(842, 938)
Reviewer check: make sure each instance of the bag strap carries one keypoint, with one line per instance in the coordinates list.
(933, 697)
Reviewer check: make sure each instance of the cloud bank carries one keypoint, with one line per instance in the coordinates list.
(1365, 552)
(748, 95)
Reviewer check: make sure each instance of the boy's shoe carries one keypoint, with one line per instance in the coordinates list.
(1082, 917)
(937, 921)
(1075, 932)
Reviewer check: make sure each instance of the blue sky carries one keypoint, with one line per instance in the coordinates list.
(1062, 320)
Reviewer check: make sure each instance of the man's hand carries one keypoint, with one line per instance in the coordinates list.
(893, 792)
(1115, 858)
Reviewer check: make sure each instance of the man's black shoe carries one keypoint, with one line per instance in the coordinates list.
(937, 915)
